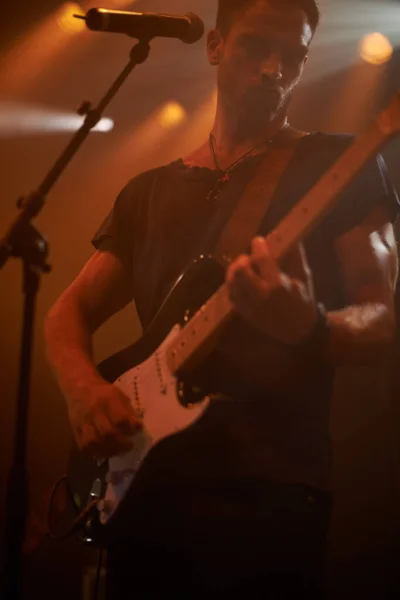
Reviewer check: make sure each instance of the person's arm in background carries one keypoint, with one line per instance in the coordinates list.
(368, 263)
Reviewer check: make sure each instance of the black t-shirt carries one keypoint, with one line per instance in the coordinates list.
(161, 221)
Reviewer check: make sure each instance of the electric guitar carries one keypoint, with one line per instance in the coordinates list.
(155, 372)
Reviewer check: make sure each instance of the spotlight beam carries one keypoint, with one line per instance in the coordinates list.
(24, 119)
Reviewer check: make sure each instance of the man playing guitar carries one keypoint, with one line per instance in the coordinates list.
(242, 500)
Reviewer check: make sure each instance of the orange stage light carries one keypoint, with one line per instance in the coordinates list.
(171, 115)
(67, 21)
(376, 49)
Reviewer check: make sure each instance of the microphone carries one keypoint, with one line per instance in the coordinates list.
(188, 29)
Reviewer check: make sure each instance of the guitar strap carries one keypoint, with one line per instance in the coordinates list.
(247, 214)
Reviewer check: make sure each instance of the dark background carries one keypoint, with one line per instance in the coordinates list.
(338, 94)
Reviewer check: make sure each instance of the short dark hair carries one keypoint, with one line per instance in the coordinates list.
(228, 8)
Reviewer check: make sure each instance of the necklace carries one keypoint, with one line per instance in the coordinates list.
(225, 173)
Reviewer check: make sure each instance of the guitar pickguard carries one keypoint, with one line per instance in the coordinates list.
(153, 391)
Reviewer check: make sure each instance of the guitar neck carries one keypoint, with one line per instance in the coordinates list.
(199, 335)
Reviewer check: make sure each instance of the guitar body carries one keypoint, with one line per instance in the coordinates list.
(167, 403)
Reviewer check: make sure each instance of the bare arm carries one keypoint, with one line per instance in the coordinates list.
(96, 294)
(94, 407)
(367, 258)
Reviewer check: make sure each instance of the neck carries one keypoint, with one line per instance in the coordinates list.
(233, 139)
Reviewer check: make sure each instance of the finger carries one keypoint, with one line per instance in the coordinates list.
(123, 417)
(100, 439)
(102, 426)
(87, 437)
(241, 273)
(248, 291)
(246, 285)
(262, 260)
(243, 269)
(110, 440)
(241, 263)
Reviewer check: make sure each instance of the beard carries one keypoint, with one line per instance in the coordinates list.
(253, 107)
(260, 106)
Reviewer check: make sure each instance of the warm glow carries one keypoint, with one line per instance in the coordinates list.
(111, 4)
(67, 21)
(31, 55)
(121, 3)
(196, 129)
(138, 149)
(171, 115)
(375, 48)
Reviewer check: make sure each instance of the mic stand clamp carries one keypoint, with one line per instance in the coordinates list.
(23, 241)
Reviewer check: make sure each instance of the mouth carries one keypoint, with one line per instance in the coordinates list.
(265, 95)
(268, 91)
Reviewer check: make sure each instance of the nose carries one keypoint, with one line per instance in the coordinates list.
(271, 68)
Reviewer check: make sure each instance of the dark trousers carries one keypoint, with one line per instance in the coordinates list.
(264, 541)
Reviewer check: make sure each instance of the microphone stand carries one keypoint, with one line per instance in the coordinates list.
(23, 241)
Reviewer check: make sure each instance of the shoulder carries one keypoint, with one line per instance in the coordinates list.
(130, 206)
(137, 191)
(328, 143)
(369, 188)
(318, 151)
(144, 181)
(199, 157)
(328, 147)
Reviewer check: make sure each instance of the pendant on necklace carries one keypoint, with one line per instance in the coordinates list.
(215, 191)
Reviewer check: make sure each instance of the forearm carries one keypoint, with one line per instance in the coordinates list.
(69, 349)
(359, 334)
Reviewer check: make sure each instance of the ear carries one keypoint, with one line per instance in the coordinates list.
(214, 47)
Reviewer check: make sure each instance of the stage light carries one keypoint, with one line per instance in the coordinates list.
(375, 48)
(73, 122)
(104, 125)
(171, 114)
(21, 119)
(67, 21)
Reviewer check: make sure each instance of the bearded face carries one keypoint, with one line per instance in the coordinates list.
(261, 59)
